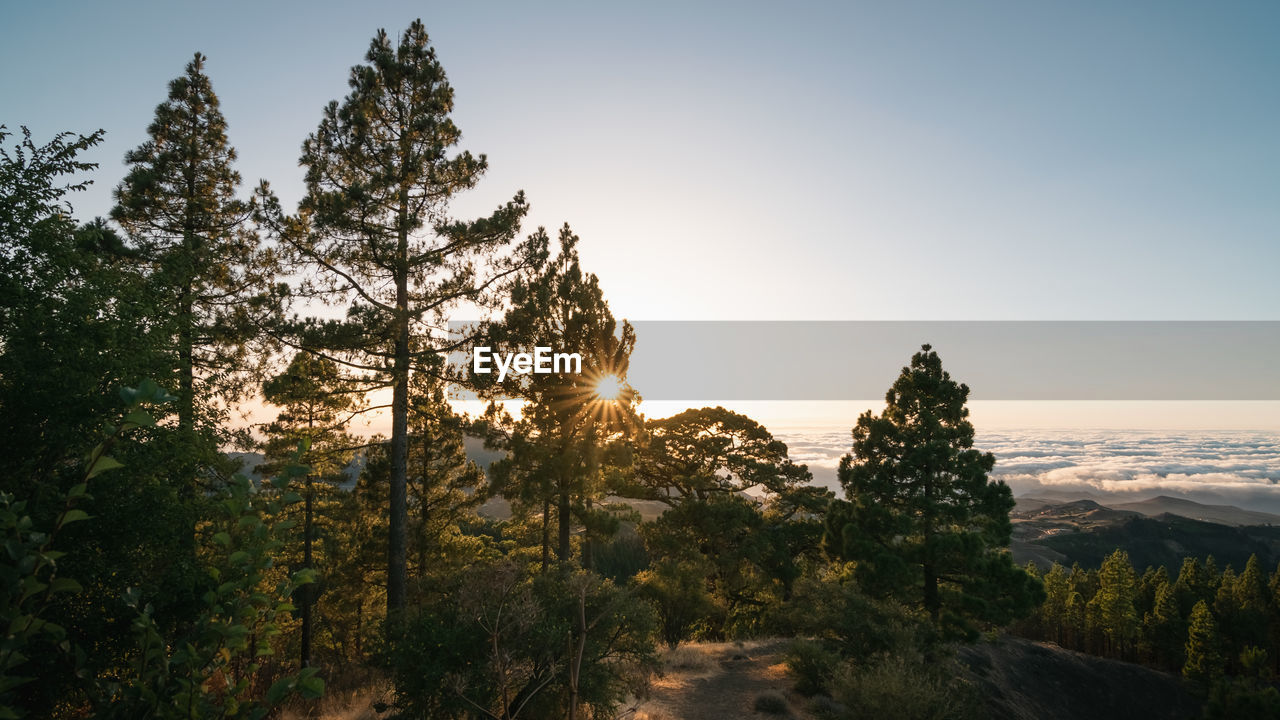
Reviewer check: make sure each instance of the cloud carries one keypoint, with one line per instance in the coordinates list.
(1239, 468)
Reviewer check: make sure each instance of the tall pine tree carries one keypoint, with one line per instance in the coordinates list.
(1204, 646)
(376, 235)
(922, 519)
(1114, 602)
(178, 205)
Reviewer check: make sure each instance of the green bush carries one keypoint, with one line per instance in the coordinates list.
(210, 670)
(505, 642)
(904, 687)
(812, 665)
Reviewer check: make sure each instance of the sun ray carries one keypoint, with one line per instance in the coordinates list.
(608, 387)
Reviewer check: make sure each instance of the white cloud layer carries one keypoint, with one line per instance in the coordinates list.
(1230, 467)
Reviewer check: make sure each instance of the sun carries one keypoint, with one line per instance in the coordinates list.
(608, 387)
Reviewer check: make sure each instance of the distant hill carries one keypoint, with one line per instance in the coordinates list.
(1224, 514)
(1162, 540)
(1085, 531)
(1076, 512)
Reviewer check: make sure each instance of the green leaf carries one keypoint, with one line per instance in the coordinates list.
(101, 465)
(57, 585)
(72, 515)
(279, 690)
(312, 687)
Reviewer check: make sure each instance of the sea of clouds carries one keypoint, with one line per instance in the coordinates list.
(1239, 468)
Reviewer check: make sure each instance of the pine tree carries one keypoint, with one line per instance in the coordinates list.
(376, 231)
(317, 403)
(1053, 611)
(1150, 583)
(445, 487)
(1191, 586)
(923, 521)
(1212, 578)
(566, 419)
(1252, 600)
(1165, 630)
(1226, 610)
(1116, 616)
(1273, 605)
(179, 207)
(1204, 646)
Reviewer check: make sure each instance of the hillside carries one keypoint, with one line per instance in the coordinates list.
(1085, 531)
(1025, 680)
(1221, 514)
(1020, 679)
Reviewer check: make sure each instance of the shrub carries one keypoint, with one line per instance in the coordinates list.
(812, 665)
(510, 643)
(772, 703)
(678, 591)
(903, 687)
(825, 708)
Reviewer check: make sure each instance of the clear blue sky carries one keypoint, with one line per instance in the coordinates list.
(890, 161)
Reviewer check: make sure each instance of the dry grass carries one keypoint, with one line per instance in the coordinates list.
(653, 715)
(688, 658)
(357, 704)
(714, 681)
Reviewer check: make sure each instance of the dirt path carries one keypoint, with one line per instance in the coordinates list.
(721, 681)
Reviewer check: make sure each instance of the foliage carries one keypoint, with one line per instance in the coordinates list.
(556, 458)
(702, 453)
(1112, 607)
(904, 686)
(76, 327)
(1204, 646)
(922, 520)
(374, 234)
(210, 278)
(678, 591)
(213, 669)
(701, 462)
(1251, 695)
(508, 644)
(316, 404)
(31, 581)
(1200, 624)
(832, 609)
(812, 665)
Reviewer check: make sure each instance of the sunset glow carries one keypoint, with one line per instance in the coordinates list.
(608, 387)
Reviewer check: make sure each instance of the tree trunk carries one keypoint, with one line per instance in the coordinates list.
(397, 544)
(186, 366)
(307, 594)
(575, 668)
(588, 539)
(562, 551)
(546, 532)
(932, 604)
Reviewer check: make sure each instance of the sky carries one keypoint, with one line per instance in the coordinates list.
(729, 161)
